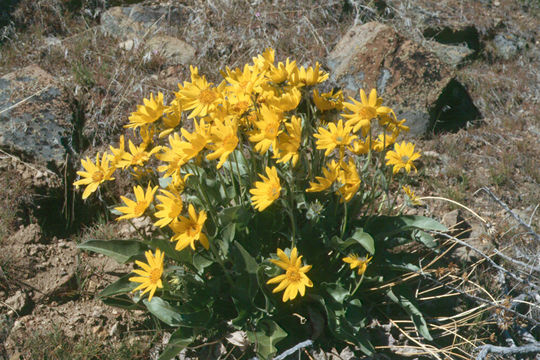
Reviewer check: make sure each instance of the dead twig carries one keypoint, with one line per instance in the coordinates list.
(480, 300)
(500, 350)
(517, 218)
(495, 265)
(25, 99)
(517, 262)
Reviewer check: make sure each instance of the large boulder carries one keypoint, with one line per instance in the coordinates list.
(139, 21)
(152, 26)
(412, 79)
(35, 122)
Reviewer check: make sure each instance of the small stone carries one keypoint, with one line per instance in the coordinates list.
(129, 44)
(18, 303)
(96, 329)
(114, 330)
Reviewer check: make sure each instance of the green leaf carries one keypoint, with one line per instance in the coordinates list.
(361, 340)
(337, 292)
(266, 336)
(422, 222)
(122, 301)
(120, 286)
(385, 226)
(363, 239)
(163, 311)
(250, 265)
(406, 301)
(261, 281)
(200, 261)
(425, 238)
(235, 214)
(164, 182)
(179, 340)
(120, 250)
(168, 248)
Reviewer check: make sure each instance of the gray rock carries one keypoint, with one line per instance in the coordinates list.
(175, 51)
(411, 79)
(18, 303)
(141, 21)
(30, 234)
(507, 46)
(34, 121)
(150, 26)
(453, 55)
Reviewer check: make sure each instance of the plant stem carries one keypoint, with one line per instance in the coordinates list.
(344, 221)
(220, 262)
(357, 285)
(239, 178)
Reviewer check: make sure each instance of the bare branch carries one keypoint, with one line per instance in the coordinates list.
(517, 218)
(495, 265)
(525, 349)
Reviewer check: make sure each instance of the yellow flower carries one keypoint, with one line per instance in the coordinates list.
(118, 153)
(294, 280)
(402, 157)
(199, 95)
(94, 174)
(357, 262)
(150, 275)
(411, 195)
(363, 112)
(268, 130)
(195, 141)
(243, 82)
(286, 101)
(169, 209)
(189, 230)
(264, 60)
(310, 76)
(173, 118)
(137, 155)
(147, 135)
(148, 113)
(266, 191)
(350, 180)
(289, 143)
(225, 139)
(383, 141)
(330, 175)
(328, 101)
(336, 136)
(360, 147)
(135, 209)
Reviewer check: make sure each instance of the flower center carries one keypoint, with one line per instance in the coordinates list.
(138, 158)
(192, 230)
(176, 208)
(97, 176)
(293, 275)
(155, 275)
(404, 159)
(271, 130)
(368, 112)
(273, 191)
(140, 207)
(207, 96)
(240, 107)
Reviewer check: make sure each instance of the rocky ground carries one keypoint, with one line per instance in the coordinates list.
(465, 74)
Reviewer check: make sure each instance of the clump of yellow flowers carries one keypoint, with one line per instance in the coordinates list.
(232, 173)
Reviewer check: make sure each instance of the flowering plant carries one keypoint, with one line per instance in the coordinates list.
(263, 184)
